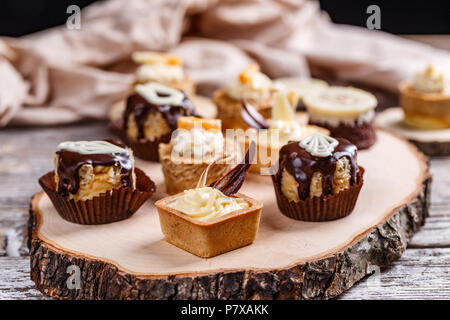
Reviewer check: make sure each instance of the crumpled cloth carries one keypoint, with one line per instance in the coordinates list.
(60, 75)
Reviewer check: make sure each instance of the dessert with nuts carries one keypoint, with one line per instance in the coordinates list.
(194, 145)
(254, 87)
(318, 178)
(150, 117)
(211, 220)
(272, 134)
(426, 100)
(347, 112)
(163, 68)
(95, 182)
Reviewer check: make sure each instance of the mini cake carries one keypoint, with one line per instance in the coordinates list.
(195, 144)
(163, 68)
(300, 86)
(95, 182)
(426, 101)
(208, 221)
(347, 112)
(318, 178)
(150, 117)
(270, 136)
(254, 87)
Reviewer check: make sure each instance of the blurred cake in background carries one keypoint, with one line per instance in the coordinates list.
(300, 86)
(426, 100)
(163, 68)
(252, 86)
(150, 116)
(346, 112)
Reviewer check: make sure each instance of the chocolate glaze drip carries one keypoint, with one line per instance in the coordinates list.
(302, 165)
(70, 162)
(141, 109)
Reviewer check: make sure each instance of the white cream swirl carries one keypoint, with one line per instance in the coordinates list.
(257, 88)
(206, 204)
(197, 144)
(429, 81)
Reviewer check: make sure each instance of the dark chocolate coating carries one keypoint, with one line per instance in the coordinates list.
(70, 162)
(302, 165)
(141, 109)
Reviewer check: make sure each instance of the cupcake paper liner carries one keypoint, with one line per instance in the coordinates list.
(115, 205)
(144, 149)
(324, 208)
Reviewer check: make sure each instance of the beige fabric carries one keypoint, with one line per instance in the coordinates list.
(62, 75)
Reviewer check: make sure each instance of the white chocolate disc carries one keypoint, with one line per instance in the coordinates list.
(339, 101)
(301, 86)
(150, 91)
(319, 145)
(90, 147)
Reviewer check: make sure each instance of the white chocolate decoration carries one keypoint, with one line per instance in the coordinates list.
(429, 81)
(206, 203)
(158, 94)
(283, 119)
(319, 145)
(90, 147)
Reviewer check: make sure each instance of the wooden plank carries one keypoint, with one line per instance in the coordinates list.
(418, 274)
(15, 282)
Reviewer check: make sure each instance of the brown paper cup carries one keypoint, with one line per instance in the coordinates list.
(116, 205)
(324, 208)
(144, 149)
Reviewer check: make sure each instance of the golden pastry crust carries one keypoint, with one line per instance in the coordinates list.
(341, 181)
(425, 110)
(209, 239)
(180, 176)
(96, 180)
(229, 109)
(155, 126)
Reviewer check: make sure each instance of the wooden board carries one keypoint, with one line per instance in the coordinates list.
(289, 259)
(430, 142)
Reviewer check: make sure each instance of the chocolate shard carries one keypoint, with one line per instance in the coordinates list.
(252, 117)
(231, 182)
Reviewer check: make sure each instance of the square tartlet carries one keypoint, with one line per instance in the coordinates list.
(208, 239)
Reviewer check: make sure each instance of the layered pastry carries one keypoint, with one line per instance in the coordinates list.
(150, 117)
(211, 220)
(426, 100)
(95, 182)
(300, 86)
(163, 68)
(318, 178)
(196, 144)
(252, 86)
(272, 134)
(347, 112)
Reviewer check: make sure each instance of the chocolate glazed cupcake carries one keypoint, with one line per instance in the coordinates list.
(150, 117)
(346, 112)
(95, 182)
(318, 178)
